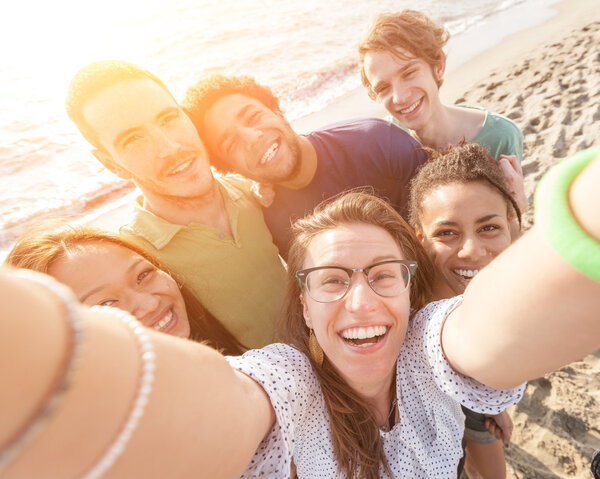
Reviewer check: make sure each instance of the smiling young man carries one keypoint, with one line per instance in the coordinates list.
(207, 230)
(402, 64)
(246, 132)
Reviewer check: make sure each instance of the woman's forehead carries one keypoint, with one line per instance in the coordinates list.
(351, 245)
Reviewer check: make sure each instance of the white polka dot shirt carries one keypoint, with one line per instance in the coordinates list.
(425, 443)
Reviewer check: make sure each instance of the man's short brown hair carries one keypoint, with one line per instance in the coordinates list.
(410, 30)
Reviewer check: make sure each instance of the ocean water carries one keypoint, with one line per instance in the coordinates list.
(305, 50)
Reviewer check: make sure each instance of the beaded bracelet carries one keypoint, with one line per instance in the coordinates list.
(145, 388)
(555, 218)
(34, 424)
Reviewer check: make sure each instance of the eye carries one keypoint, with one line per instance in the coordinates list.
(410, 73)
(168, 118)
(107, 302)
(253, 118)
(445, 233)
(489, 228)
(131, 140)
(144, 274)
(382, 91)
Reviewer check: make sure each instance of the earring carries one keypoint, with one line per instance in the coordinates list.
(315, 348)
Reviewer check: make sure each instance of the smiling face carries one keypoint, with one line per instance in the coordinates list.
(107, 274)
(146, 137)
(252, 139)
(463, 226)
(405, 85)
(379, 322)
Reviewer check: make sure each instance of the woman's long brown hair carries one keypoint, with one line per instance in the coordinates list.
(41, 245)
(355, 434)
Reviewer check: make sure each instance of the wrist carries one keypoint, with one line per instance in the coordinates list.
(558, 222)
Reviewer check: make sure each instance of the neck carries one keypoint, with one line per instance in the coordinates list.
(308, 165)
(208, 209)
(381, 397)
(440, 131)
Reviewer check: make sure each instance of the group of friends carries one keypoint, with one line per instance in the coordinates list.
(347, 245)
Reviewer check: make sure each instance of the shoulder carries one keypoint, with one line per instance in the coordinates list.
(360, 127)
(234, 183)
(275, 364)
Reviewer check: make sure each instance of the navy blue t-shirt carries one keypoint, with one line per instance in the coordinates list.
(350, 154)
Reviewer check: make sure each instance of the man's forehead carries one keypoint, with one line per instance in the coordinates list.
(125, 104)
(236, 104)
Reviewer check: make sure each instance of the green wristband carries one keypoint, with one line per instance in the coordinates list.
(555, 218)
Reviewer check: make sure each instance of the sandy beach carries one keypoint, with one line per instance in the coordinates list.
(547, 79)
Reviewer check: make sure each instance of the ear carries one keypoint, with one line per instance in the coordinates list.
(306, 313)
(439, 70)
(419, 235)
(104, 158)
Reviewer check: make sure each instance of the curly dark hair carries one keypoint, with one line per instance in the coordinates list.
(200, 97)
(466, 163)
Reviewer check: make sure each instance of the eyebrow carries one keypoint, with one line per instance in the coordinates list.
(102, 286)
(373, 261)
(124, 134)
(381, 84)
(483, 219)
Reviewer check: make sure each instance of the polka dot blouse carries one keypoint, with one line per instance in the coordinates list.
(426, 443)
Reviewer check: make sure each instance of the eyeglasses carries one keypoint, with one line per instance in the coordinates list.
(326, 284)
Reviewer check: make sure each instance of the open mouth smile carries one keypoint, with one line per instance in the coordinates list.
(181, 167)
(364, 337)
(269, 154)
(412, 107)
(465, 274)
(165, 323)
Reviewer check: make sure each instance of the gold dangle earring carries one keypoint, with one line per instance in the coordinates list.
(315, 348)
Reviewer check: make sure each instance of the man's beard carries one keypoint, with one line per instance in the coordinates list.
(290, 138)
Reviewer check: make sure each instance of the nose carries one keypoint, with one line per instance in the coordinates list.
(249, 136)
(471, 249)
(143, 305)
(400, 94)
(165, 144)
(360, 298)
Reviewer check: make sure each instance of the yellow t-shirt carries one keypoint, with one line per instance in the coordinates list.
(239, 279)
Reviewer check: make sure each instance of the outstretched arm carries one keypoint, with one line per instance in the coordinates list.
(530, 311)
(202, 418)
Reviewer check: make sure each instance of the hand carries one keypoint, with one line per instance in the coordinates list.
(500, 426)
(513, 174)
(264, 193)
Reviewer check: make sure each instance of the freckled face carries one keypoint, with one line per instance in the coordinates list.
(405, 85)
(463, 227)
(107, 274)
(369, 361)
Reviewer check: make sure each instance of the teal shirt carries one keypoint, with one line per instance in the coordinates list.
(498, 135)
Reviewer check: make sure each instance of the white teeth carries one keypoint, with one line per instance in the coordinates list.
(269, 154)
(411, 107)
(181, 167)
(163, 322)
(467, 273)
(364, 333)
